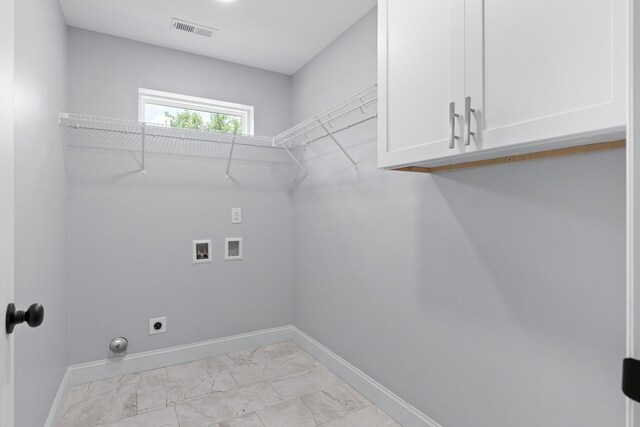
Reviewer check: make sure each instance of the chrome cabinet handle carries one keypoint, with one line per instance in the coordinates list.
(467, 117)
(452, 122)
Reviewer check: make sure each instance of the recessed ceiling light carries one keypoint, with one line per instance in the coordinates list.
(226, 1)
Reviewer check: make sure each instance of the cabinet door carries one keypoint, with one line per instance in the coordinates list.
(421, 70)
(545, 70)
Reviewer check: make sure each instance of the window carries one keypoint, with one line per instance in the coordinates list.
(195, 113)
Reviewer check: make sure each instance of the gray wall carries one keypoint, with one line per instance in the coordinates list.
(105, 73)
(129, 237)
(40, 85)
(487, 297)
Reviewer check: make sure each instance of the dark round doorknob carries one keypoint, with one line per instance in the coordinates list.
(33, 316)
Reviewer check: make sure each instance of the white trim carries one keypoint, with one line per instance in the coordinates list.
(156, 97)
(58, 402)
(386, 400)
(383, 83)
(383, 398)
(631, 163)
(102, 369)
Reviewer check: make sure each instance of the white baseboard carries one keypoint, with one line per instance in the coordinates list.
(101, 369)
(383, 398)
(94, 371)
(58, 402)
(393, 405)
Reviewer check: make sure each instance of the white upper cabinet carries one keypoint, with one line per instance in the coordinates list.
(545, 69)
(543, 73)
(421, 48)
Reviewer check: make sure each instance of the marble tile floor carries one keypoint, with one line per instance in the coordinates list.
(278, 385)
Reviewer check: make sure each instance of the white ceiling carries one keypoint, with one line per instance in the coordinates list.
(277, 35)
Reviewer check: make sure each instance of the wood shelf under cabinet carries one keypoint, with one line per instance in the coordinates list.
(537, 155)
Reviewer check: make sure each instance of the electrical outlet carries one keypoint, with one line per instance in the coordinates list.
(236, 215)
(157, 325)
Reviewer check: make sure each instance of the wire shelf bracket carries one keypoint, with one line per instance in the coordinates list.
(233, 145)
(333, 138)
(143, 137)
(306, 173)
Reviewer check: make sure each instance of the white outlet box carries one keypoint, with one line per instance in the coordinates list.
(236, 215)
(154, 328)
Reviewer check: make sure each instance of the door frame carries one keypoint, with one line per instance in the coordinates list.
(7, 46)
(633, 195)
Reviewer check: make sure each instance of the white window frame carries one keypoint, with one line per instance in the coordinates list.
(168, 99)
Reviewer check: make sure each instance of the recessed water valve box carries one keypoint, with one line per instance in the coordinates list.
(201, 251)
(233, 248)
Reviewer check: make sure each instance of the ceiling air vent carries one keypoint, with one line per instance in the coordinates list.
(190, 27)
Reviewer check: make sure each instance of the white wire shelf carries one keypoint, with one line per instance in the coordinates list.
(102, 133)
(351, 112)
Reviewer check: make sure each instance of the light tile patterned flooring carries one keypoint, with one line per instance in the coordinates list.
(273, 386)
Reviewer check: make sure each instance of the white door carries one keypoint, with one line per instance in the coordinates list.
(421, 70)
(6, 207)
(545, 69)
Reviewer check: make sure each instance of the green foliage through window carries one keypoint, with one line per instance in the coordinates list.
(194, 120)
